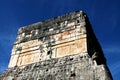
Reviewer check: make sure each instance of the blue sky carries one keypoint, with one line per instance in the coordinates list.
(104, 16)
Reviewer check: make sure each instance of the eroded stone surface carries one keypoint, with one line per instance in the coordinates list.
(73, 67)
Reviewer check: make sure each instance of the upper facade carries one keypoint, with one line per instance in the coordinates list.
(65, 35)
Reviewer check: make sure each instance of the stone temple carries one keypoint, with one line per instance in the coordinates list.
(61, 48)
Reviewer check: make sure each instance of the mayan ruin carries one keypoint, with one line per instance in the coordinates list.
(61, 48)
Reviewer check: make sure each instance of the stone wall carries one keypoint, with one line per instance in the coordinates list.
(73, 67)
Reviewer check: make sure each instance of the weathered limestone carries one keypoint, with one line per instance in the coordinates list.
(73, 67)
(62, 48)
